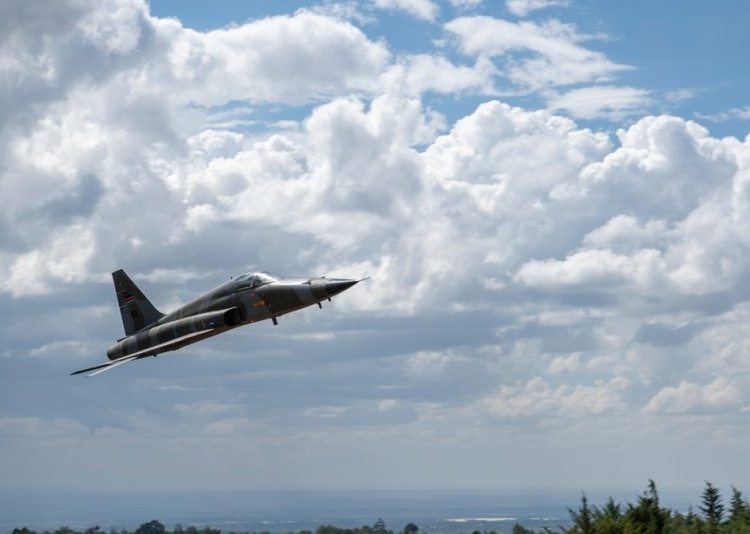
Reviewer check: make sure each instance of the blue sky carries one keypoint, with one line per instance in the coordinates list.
(551, 198)
(694, 54)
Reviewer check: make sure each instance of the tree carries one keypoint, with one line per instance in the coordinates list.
(379, 526)
(152, 527)
(688, 523)
(611, 510)
(411, 528)
(328, 529)
(739, 509)
(609, 519)
(712, 508)
(648, 516)
(581, 518)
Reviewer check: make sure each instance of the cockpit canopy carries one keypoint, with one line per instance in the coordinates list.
(255, 279)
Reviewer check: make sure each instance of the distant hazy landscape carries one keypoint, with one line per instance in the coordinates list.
(449, 512)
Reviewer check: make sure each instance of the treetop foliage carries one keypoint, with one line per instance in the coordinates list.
(647, 516)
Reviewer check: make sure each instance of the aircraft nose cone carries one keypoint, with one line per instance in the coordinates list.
(334, 287)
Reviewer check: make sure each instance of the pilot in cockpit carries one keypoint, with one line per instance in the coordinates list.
(253, 280)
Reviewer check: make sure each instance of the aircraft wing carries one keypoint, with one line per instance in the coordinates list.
(105, 366)
(143, 353)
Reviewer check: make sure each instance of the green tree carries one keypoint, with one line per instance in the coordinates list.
(379, 526)
(581, 518)
(411, 528)
(328, 529)
(647, 516)
(739, 509)
(609, 519)
(152, 527)
(520, 529)
(712, 508)
(684, 524)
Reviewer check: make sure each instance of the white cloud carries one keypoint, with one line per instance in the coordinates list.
(624, 233)
(430, 363)
(387, 405)
(522, 8)
(566, 364)
(116, 29)
(601, 102)
(681, 95)
(593, 268)
(325, 412)
(415, 75)
(465, 4)
(289, 70)
(536, 397)
(206, 408)
(731, 114)
(523, 267)
(38, 272)
(536, 55)
(58, 349)
(689, 397)
(421, 9)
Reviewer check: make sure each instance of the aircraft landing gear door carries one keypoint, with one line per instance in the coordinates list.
(255, 307)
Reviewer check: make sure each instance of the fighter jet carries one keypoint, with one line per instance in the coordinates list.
(246, 299)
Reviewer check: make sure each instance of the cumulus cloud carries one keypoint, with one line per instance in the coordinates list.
(97, 148)
(524, 267)
(536, 397)
(419, 74)
(688, 397)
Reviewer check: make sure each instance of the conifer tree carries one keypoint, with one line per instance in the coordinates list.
(712, 508)
(648, 516)
(581, 518)
(739, 509)
(379, 526)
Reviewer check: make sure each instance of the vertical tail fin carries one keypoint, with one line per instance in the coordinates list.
(136, 310)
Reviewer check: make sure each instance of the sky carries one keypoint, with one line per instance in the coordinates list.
(551, 197)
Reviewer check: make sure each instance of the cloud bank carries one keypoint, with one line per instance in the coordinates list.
(533, 280)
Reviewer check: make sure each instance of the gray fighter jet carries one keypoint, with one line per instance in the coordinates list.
(246, 299)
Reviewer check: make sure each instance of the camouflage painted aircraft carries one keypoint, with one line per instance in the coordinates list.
(246, 299)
